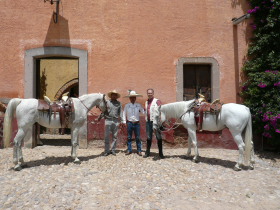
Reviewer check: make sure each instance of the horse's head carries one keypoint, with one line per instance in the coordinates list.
(159, 118)
(102, 105)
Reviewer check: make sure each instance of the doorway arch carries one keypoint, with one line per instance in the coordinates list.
(66, 88)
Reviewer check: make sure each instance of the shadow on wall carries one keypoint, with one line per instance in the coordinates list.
(43, 86)
(58, 35)
(239, 77)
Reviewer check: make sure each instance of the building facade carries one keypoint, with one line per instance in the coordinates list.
(179, 48)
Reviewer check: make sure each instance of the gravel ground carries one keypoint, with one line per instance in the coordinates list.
(52, 181)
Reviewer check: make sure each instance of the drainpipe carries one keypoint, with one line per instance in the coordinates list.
(236, 21)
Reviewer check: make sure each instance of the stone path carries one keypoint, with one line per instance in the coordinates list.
(52, 181)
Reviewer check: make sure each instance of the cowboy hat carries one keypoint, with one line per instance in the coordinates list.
(113, 91)
(132, 93)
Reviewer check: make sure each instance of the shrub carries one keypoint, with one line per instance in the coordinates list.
(261, 91)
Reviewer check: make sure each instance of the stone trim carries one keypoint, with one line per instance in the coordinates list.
(215, 75)
(30, 66)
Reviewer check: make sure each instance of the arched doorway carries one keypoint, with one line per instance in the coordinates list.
(71, 87)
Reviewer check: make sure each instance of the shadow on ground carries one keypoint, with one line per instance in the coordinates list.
(56, 142)
(48, 161)
(206, 160)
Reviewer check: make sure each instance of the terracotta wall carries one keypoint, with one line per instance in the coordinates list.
(131, 44)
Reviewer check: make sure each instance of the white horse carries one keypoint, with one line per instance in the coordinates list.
(27, 114)
(236, 117)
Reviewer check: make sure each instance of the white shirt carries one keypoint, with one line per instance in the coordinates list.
(131, 112)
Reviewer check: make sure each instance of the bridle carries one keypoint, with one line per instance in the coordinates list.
(105, 102)
(164, 128)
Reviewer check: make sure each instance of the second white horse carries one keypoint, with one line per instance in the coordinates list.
(236, 117)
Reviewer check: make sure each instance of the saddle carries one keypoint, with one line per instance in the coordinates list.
(3, 107)
(204, 108)
(63, 108)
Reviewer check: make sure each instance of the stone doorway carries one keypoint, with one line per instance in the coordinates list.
(32, 58)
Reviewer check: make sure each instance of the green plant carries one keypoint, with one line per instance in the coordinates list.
(261, 91)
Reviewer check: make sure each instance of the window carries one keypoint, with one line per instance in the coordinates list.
(196, 79)
(194, 74)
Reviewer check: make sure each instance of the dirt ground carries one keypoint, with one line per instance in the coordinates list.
(52, 181)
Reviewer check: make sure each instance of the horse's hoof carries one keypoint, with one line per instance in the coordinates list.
(18, 168)
(77, 161)
(251, 167)
(237, 168)
(195, 160)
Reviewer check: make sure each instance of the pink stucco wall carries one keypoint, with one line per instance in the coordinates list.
(131, 44)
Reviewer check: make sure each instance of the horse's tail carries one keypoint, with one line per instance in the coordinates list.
(9, 114)
(248, 139)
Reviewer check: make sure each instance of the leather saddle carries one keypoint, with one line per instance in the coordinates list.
(204, 108)
(3, 107)
(63, 108)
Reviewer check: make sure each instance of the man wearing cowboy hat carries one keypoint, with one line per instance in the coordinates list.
(131, 117)
(112, 121)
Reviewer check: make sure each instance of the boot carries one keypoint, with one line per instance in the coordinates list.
(160, 149)
(149, 144)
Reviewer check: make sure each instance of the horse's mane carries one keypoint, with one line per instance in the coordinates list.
(176, 109)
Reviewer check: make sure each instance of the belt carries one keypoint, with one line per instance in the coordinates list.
(136, 122)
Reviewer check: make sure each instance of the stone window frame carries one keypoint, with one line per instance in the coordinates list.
(215, 75)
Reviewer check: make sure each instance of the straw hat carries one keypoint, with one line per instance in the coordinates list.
(113, 91)
(132, 93)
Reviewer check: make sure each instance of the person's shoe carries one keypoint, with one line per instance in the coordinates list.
(106, 154)
(139, 153)
(161, 156)
(113, 153)
(128, 153)
(146, 155)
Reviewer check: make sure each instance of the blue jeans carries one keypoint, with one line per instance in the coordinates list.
(133, 127)
(149, 131)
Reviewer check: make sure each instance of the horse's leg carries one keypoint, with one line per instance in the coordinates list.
(17, 156)
(75, 144)
(241, 147)
(192, 135)
(252, 157)
(189, 146)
